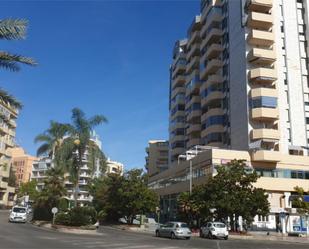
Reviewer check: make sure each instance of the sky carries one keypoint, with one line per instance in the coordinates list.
(105, 57)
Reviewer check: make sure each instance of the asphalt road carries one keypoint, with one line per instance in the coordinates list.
(13, 235)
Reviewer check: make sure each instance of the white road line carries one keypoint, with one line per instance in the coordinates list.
(218, 245)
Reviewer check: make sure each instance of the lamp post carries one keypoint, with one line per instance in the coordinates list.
(190, 171)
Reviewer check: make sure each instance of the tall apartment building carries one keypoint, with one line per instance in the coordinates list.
(8, 115)
(157, 157)
(22, 165)
(239, 88)
(240, 79)
(39, 169)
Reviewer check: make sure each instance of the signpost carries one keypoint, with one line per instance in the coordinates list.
(54, 211)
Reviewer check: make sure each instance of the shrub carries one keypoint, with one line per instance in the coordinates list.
(90, 211)
(78, 217)
(63, 218)
(42, 213)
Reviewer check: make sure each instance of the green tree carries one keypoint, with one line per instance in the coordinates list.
(51, 139)
(77, 144)
(299, 202)
(28, 188)
(230, 194)
(51, 195)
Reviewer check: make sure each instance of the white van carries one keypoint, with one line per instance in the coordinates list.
(18, 214)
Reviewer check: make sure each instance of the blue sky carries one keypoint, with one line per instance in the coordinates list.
(106, 57)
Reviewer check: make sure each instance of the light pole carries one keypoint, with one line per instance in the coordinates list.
(190, 171)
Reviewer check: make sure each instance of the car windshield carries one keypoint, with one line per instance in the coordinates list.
(219, 225)
(19, 210)
(183, 225)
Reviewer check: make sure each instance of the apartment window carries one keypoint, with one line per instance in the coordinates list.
(285, 78)
(289, 134)
(282, 27)
(287, 96)
(283, 44)
(287, 115)
(267, 102)
(284, 60)
(307, 120)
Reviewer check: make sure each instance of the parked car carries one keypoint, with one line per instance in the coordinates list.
(18, 214)
(214, 230)
(174, 230)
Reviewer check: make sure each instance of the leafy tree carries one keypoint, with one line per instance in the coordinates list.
(127, 196)
(77, 144)
(53, 191)
(300, 203)
(28, 188)
(51, 139)
(230, 194)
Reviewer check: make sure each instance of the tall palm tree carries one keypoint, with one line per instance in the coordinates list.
(78, 143)
(10, 99)
(51, 139)
(13, 29)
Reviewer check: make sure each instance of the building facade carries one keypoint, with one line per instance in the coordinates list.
(8, 116)
(39, 169)
(114, 167)
(22, 165)
(157, 157)
(239, 85)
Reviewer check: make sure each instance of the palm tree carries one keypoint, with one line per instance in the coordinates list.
(51, 140)
(13, 29)
(78, 143)
(9, 99)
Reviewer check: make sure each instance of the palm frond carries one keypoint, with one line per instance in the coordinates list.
(12, 29)
(97, 120)
(42, 138)
(44, 149)
(10, 99)
(11, 61)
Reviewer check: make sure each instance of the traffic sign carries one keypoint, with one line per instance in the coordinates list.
(54, 210)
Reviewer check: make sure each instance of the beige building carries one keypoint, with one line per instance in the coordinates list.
(157, 157)
(114, 167)
(239, 85)
(8, 115)
(22, 165)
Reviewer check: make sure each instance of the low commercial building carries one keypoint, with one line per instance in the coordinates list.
(157, 157)
(22, 165)
(279, 175)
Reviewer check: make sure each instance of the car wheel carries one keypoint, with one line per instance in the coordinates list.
(226, 237)
(187, 238)
(210, 236)
(173, 236)
(157, 234)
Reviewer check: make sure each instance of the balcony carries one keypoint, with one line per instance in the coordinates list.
(3, 185)
(178, 90)
(194, 99)
(264, 133)
(211, 68)
(260, 20)
(194, 114)
(213, 17)
(211, 4)
(194, 64)
(12, 122)
(213, 51)
(176, 126)
(178, 81)
(264, 92)
(177, 151)
(195, 37)
(193, 128)
(266, 156)
(261, 56)
(194, 51)
(213, 129)
(10, 143)
(192, 142)
(261, 38)
(263, 6)
(213, 36)
(262, 75)
(211, 80)
(215, 95)
(179, 68)
(176, 138)
(264, 113)
(212, 112)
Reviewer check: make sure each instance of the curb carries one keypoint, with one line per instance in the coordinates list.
(270, 238)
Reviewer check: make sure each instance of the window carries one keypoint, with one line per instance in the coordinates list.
(267, 102)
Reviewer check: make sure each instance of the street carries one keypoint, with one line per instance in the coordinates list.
(28, 236)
